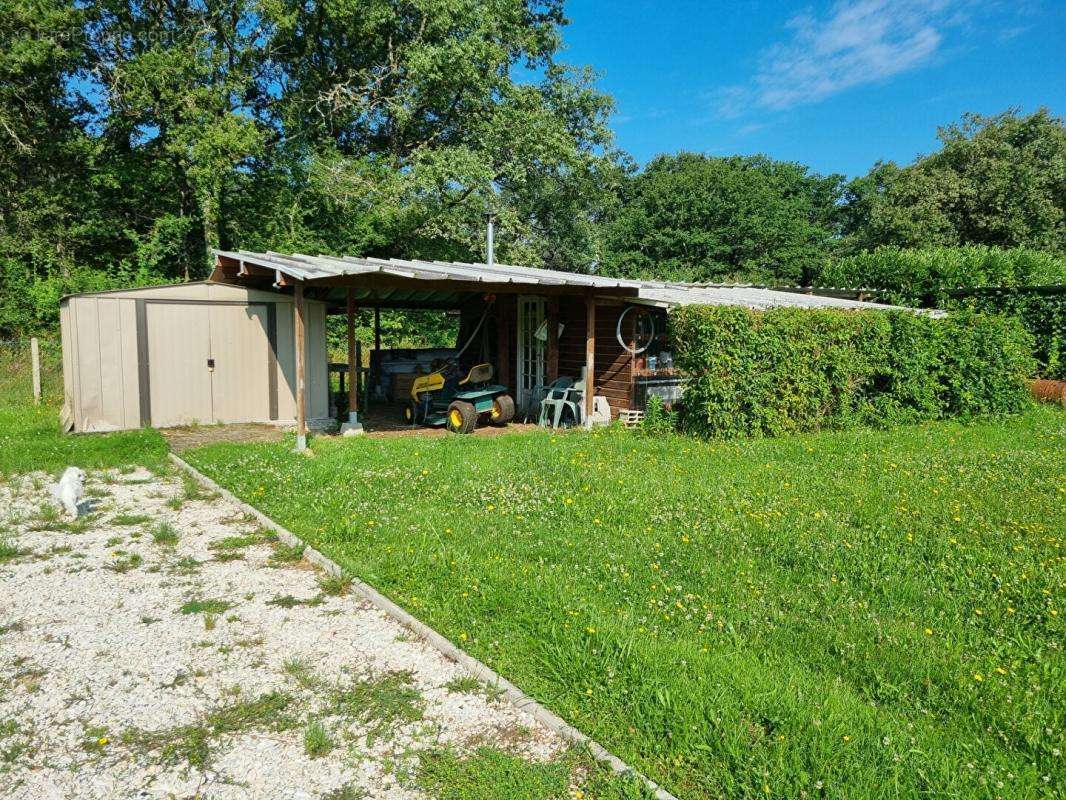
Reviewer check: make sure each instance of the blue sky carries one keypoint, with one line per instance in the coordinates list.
(835, 85)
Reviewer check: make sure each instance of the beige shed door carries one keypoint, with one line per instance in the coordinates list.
(240, 349)
(179, 345)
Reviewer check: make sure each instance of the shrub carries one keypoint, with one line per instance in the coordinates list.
(1043, 315)
(928, 277)
(765, 373)
(657, 419)
(920, 276)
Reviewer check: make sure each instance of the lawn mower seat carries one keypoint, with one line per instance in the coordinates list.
(479, 373)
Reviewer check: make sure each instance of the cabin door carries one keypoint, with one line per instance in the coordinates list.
(532, 347)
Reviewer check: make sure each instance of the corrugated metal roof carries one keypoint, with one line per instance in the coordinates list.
(654, 293)
(748, 296)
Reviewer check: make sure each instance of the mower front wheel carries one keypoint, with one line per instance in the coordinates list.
(502, 410)
(461, 418)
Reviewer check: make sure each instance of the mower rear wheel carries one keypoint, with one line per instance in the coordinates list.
(461, 418)
(502, 410)
(410, 413)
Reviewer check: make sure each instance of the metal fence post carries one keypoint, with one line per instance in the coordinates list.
(35, 358)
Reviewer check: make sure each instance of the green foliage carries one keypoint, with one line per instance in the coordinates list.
(489, 774)
(922, 276)
(165, 534)
(691, 217)
(136, 138)
(766, 373)
(928, 277)
(381, 704)
(805, 613)
(1043, 315)
(205, 607)
(317, 741)
(194, 744)
(10, 551)
(998, 181)
(399, 328)
(657, 420)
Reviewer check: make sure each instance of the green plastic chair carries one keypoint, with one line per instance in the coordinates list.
(564, 402)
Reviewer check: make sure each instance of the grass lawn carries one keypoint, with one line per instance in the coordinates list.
(853, 615)
(29, 434)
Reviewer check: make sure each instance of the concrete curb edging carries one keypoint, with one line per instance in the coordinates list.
(478, 670)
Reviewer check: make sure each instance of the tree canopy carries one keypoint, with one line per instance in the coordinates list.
(141, 134)
(696, 218)
(998, 181)
(135, 136)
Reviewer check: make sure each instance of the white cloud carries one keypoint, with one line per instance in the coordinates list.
(856, 42)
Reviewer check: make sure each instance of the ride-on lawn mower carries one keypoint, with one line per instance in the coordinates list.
(442, 398)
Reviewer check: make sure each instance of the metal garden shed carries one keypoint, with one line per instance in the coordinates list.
(190, 353)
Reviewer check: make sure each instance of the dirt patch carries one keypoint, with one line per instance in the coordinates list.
(380, 421)
(196, 436)
(386, 419)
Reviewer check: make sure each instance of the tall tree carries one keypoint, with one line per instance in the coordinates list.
(409, 122)
(697, 218)
(49, 221)
(998, 181)
(176, 85)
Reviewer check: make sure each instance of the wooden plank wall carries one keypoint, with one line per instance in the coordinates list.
(614, 366)
(613, 370)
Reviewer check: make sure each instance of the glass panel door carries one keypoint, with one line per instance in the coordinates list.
(532, 346)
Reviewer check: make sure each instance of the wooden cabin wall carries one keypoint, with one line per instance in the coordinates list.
(613, 368)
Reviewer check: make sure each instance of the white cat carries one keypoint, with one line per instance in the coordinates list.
(70, 490)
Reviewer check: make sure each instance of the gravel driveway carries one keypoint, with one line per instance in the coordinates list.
(164, 646)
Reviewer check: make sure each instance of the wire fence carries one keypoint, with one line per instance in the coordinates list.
(16, 371)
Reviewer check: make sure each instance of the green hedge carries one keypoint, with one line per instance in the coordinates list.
(1043, 315)
(764, 373)
(926, 277)
(919, 276)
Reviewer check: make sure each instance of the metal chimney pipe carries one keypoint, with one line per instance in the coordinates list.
(490, 247)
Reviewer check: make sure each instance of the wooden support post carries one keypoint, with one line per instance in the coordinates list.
(359, 374)
(503, 342)
(362, 383)
(590, 357)
(301, 368)
(35, 360)
(353, 368)
(377, 328)
(553, 340)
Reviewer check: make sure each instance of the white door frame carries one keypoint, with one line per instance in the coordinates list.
(532, 358)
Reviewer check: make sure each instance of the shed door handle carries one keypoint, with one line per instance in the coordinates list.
(210, 363)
